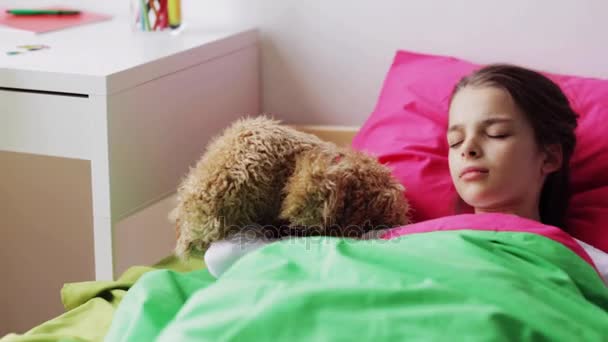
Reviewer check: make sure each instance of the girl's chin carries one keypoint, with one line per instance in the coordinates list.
(478, 200)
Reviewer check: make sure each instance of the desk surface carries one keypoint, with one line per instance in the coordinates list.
(109, 57)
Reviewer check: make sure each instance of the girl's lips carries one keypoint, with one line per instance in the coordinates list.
(473, 175)
(473, 169)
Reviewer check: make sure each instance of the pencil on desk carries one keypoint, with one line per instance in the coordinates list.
(31, 12)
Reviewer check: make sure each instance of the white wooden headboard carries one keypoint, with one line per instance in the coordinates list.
(340, 135)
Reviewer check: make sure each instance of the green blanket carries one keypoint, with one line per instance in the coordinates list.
(90, 306)
(459, 285)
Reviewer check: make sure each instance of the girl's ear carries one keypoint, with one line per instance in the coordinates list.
(553, 160)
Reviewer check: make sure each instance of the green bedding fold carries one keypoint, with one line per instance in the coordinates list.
(445, 285)
(90, 306)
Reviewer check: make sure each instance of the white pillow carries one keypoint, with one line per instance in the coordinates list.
(599, 258)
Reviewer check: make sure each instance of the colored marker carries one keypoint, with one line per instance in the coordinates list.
(163, 15)
(175, 13)
(144, 14)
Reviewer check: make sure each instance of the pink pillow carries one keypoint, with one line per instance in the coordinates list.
(407, 129)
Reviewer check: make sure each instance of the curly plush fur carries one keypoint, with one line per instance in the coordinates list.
(342, 188)
(261, 172)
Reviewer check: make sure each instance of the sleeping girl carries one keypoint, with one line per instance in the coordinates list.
(511, 135)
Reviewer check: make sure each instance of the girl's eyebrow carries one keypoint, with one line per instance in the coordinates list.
(486, 122)
(491, 121)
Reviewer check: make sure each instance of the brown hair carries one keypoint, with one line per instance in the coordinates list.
(552, 118)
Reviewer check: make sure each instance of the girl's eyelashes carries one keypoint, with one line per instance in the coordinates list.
(492, 136)
(454, 139)
(498, 136)
(456, 144)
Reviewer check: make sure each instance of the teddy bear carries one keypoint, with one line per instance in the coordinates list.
(259, 172)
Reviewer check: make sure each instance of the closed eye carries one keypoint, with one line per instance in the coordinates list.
(454, 145)
(498, 136)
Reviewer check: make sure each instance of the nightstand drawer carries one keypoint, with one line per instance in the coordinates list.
(49, 124)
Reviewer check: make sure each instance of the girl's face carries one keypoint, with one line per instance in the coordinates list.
(495, 162)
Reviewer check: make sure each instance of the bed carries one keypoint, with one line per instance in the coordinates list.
(479, 277)
(90, 306)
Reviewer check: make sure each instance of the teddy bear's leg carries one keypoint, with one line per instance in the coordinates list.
(308, 192)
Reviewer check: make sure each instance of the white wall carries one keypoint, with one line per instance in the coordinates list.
(324, 60)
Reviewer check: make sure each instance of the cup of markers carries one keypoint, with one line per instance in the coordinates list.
(156, 15)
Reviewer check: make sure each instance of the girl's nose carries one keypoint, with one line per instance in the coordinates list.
(470, 153)
(471, 150)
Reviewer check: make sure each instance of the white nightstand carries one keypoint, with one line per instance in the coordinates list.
(139, 106)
